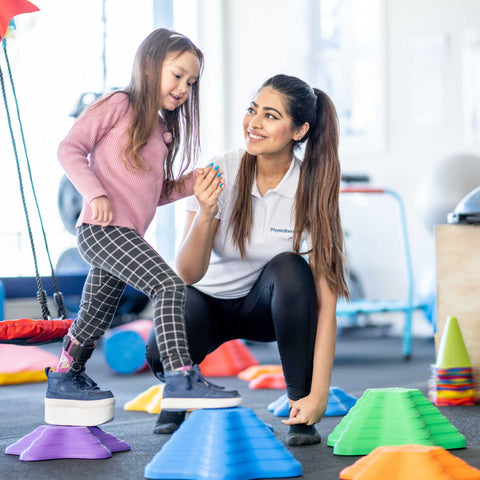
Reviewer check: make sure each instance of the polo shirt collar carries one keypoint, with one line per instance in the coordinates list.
(288, 185)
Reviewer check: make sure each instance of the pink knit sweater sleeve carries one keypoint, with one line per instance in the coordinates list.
(177, 192)
(80, 142)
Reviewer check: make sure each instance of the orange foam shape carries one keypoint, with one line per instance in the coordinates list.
(412, 462)
(228, 359)
(255, 371)
(24, 364)
(268, 380)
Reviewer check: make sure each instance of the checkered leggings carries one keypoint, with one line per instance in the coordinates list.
(119, 256)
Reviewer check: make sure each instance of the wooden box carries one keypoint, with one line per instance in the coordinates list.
(458, 283)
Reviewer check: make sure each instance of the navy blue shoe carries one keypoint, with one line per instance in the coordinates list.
(188, 389)
(73, 398)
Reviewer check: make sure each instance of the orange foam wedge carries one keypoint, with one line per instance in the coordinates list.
(227, 360)
(412, 462)
(268, 380)
(257, 370)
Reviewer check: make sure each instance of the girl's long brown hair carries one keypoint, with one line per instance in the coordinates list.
(143, 92)
(317, 196)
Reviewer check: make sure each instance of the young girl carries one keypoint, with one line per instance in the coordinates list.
(120, 156)
(242, 248)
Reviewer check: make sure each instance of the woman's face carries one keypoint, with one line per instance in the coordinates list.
(267, 128)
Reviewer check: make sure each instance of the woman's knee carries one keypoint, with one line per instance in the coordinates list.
(152, 354)
(290, 271)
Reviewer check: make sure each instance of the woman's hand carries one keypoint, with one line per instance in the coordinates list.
(102, 210)
(207, 188)
(307, 410)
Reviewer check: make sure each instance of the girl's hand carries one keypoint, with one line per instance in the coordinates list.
(207, 188)
(102, 210)
(307, 410)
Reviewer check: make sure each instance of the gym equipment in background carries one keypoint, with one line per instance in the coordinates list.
(467, 210)
(446, 184)
(361, 306)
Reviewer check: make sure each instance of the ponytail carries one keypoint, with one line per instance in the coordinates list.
(317, 197)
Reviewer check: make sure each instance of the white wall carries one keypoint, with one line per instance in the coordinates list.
(416, 146)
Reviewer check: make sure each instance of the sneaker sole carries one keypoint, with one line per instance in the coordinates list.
(79, 413)
(172, 403)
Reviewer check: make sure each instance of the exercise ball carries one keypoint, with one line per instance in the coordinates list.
(445, 185)
(70, 204)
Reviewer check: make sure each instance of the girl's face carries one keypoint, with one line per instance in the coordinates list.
(267, 128)
(179, 73)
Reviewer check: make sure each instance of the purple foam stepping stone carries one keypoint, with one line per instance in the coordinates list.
(20, 445)
(114, 444)
(50, 442)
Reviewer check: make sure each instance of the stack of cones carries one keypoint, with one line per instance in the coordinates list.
(451, 378)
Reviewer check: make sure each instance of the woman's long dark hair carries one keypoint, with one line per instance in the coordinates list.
(317, 196)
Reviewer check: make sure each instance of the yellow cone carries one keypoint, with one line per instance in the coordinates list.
(147, 401)
(452, 352)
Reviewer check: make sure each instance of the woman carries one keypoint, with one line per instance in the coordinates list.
(252, 217)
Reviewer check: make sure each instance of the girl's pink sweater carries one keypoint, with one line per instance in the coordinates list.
(92, 156)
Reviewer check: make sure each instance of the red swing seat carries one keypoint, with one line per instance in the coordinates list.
(26, 331)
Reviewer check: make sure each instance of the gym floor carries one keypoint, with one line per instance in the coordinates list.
(364, 359)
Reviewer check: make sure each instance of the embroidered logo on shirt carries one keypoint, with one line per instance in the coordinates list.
(280, 230)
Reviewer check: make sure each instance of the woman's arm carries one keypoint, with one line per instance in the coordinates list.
(311, 408)
(193, 256)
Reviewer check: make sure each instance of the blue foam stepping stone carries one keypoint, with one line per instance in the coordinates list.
(229, 443)
(339, 403)
(280, 406)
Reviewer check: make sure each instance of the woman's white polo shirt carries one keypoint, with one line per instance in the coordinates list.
(228, 276)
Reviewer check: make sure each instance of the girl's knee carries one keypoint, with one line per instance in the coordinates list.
(174, 286)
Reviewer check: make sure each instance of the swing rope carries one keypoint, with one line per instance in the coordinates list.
(41, 294)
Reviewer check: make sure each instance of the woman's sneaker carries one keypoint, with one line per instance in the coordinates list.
(188, 389)
(73, 398)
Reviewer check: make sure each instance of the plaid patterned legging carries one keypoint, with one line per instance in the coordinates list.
(119, 256)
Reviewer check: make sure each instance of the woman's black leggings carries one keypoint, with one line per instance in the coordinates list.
(281, 306)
